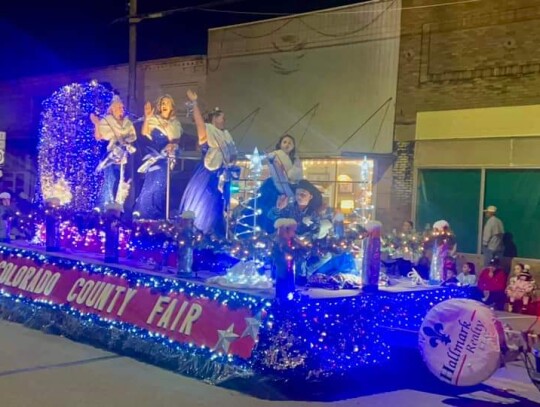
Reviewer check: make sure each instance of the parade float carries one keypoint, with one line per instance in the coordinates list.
(210, 308)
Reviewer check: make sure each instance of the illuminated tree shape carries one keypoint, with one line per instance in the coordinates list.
(248, 219)
(68, 152)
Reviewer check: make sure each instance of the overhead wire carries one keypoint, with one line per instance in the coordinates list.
(210, 8)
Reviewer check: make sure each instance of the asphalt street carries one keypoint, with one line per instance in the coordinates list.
(43, 370)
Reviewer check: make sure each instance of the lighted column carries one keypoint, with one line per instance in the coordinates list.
(112, 232)
(283, 257)
(371, 262)
(52, 225)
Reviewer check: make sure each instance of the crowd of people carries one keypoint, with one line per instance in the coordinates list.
(436, 249)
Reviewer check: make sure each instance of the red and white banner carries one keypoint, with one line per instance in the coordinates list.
(176, 315)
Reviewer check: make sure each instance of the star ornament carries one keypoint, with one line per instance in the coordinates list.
(225, 338)
(255, 160)
(252, 328)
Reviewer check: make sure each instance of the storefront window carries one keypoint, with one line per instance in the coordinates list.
(346, 185)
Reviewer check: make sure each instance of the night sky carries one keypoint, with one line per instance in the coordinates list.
(56, 35)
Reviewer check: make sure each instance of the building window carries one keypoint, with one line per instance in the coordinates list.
(346, 185)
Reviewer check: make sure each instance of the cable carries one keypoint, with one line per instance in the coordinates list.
(286, 22)
(313, 111)
(365, 122)
(207, 7)
(165, 13)
(533, 324)
(270, 14)
(356, 30)
(250, 116)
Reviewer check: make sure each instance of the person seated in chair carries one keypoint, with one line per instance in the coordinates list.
(492, 283)
(521, 287)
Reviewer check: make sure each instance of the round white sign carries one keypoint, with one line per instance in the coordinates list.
(459, 342)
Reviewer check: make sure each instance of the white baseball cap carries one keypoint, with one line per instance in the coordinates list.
(441, 224)
(491, 209)
(5, 195)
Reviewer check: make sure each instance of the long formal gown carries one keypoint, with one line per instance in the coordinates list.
(284, 174)
(118, 134)
(203, 194)
(151, 201)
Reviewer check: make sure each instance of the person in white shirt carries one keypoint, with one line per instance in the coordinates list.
(162, 131)
(207, 193)
(492, 236)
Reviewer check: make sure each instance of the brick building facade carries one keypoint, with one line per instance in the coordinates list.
(468, 90)
(452, 56)
(460, 56)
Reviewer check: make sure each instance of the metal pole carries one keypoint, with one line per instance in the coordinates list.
(168, 193)
(132, 69)
(481, 203)
(227, 202)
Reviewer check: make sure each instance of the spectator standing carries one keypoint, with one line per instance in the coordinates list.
(492, 236)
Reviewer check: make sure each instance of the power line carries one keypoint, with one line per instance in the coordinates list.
(210, 8)
(273, 14)
(270, 14)
(160, 14)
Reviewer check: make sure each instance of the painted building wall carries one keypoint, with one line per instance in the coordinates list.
(328, 78)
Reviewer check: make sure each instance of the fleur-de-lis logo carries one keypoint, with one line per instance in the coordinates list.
(437, 335)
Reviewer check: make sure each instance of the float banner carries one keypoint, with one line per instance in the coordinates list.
(176, 315)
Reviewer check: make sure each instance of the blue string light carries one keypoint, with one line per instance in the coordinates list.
(68, 150)
(302, 337)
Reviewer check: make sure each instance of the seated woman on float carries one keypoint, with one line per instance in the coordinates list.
(285, 171)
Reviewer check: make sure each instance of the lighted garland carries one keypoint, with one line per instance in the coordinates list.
(189, 359)
(402, 245)
(315, 339)
(135, 279)
(68, 152)
(77, 231)
(301, 338)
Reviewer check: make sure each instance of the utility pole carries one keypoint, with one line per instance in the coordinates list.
(132, 70)
(135, 19)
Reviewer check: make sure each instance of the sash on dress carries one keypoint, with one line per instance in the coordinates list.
(279, 166)
(221, 148)
(172, 129)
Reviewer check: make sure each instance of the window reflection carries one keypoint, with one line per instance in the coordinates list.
(346, 185)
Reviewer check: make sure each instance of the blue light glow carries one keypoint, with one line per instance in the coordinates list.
(302, 337)
(68, 151)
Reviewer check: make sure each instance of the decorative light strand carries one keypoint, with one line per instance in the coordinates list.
(68, 152)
